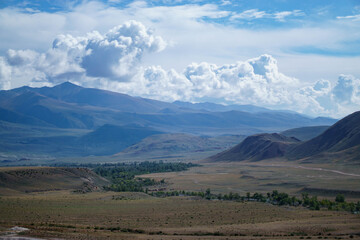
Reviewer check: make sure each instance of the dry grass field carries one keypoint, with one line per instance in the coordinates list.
(264, 176)
(108, 215)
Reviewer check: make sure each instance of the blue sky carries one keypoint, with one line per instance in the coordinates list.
(332, 7)
(272, 53)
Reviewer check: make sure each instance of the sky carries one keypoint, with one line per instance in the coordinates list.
(280, 54)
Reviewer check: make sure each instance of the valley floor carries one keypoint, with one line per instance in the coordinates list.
(323, 180)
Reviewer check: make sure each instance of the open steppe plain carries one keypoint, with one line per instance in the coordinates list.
(65, 214)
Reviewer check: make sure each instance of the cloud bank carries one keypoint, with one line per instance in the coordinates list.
(113, 61)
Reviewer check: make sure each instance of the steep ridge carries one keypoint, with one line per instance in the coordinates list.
(256, 148)
(343, 135)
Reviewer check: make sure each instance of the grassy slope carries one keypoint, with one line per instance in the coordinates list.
(39, 179)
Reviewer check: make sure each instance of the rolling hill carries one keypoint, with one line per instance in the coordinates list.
(179, 144)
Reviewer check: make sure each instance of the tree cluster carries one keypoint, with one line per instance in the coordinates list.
(123, 176)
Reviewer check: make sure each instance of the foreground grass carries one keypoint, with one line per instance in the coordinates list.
(104, 215)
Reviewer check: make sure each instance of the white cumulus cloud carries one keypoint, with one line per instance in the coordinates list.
(346, 89)
(114, 55)
(5, 74)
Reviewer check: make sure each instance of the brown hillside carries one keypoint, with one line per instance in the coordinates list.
(256, 148)
(38, 179)
(342, 136)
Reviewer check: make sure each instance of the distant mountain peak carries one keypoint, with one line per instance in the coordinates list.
(67, 85)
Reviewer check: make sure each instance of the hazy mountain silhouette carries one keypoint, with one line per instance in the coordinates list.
(213, 107)
(70, 106)
(110, 139)
(305, 133)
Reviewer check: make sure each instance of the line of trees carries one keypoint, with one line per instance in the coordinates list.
(275, 197)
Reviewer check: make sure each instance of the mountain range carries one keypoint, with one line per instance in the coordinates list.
(69, 120)
(70, 106)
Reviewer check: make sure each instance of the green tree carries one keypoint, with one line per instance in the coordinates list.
(340, 198)
(305, 198)
(208, 192)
